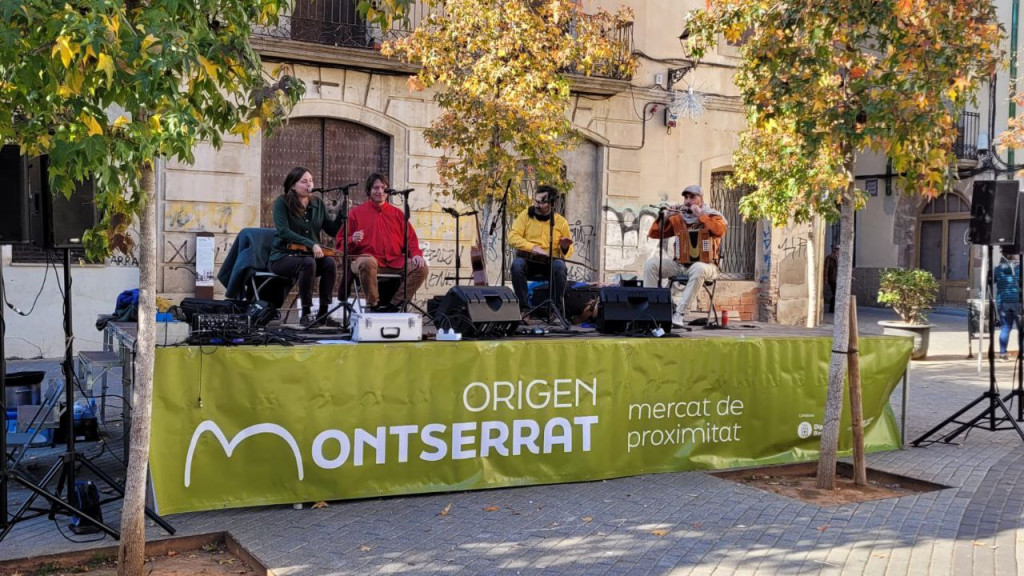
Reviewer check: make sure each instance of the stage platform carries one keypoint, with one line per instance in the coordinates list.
(238, 426)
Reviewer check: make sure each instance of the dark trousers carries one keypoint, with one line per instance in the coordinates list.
(523, 270)
(305, 268)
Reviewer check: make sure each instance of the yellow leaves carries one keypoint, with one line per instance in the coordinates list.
(659, 533)
(319, 505)
(149, 42)
(491, 508)
(62, 47)
(154, 123)
(209, 67)
(446, 510)
(106, 65)
(91, 125)
(246, 129)
(112, 24)
(415, 84)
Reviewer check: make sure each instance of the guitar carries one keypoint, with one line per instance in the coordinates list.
(543, 259)
(295, 247)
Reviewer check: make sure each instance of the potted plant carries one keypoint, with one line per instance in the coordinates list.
(910, 292)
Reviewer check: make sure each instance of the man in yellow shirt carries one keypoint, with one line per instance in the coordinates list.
(531, 237)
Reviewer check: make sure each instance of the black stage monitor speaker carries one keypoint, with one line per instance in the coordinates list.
(479, 311)
(58, 222)
(14, 218)
(634, 309)
(994, 213)
(1016, 246)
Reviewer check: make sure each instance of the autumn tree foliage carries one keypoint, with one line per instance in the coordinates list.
(108, 87)
(824, 79)
(499, 70)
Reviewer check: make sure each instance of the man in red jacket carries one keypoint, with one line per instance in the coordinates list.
(375, 244)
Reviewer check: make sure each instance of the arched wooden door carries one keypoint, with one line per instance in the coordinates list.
(337, 152)
(942, 246)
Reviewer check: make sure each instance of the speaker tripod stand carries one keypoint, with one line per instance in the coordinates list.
(996, 416)
(66, 468)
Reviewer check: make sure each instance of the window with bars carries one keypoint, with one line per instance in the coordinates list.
(738, 246)
(29, 254)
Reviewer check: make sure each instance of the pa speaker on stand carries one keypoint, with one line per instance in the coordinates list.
(994, 213)
(14, 218)
(58, 221)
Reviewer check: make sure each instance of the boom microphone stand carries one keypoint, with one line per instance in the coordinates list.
(503, 215)
(405, 252)
(995, 401)
(458, 258)
(343, 292)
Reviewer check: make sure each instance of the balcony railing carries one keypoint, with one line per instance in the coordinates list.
(966, 146)
(338, 23)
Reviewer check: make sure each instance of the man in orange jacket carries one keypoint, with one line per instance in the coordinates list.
(697, 230)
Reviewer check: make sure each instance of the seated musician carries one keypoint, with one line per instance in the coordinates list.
(531, 237)
(698, 230)
(375, 245)
(296, 252)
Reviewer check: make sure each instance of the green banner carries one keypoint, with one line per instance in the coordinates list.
(244, 426)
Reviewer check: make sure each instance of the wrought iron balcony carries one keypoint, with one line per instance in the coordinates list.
(338, 23)
(966, 146)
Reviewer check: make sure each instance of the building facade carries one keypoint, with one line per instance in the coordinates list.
(645, 139)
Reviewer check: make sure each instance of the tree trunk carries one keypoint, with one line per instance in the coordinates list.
(813, 274)
(840, 342)
(860, 467)
(131, 555)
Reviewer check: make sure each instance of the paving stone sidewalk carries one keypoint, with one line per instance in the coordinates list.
(669, 524)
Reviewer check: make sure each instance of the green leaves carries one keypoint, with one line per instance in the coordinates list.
(824, 79)
(105, 90)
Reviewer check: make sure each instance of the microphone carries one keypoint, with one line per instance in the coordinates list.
(455, 213)
(392, 191)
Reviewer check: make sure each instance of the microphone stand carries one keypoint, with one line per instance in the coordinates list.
(345, 279)
(661, 242)
(458, 250)
(405, 252)
(503, 213)
(549, 303)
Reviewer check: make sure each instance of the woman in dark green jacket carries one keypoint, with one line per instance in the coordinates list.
(299, 218)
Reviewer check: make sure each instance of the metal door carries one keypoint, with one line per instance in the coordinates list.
(337, 152)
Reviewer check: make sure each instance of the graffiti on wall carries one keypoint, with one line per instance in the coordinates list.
(626, 242)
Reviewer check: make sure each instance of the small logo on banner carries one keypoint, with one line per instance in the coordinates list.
(804, 430)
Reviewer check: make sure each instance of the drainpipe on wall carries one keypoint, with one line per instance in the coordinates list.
(1014, 23)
